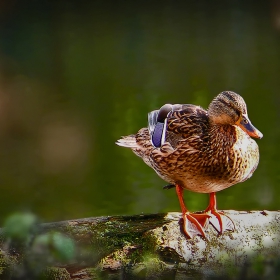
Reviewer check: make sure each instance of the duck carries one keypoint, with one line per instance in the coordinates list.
(203, 151)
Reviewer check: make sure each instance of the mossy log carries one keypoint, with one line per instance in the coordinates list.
(154, 247)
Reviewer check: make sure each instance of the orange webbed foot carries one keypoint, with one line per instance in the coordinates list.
(194, 224)
(219, 220)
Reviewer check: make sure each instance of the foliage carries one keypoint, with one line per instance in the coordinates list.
(31, 252)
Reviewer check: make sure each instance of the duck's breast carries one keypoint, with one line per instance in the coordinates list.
(246, 156)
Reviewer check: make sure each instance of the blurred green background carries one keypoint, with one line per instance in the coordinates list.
(77, 75)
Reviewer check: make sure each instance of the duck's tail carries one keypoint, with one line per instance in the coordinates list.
(139, 143)
(127, 141)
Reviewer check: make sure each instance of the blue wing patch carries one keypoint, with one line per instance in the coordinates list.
(157, 121)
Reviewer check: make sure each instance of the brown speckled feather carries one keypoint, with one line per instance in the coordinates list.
(189, 123)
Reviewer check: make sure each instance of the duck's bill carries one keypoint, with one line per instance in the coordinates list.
(250, 129)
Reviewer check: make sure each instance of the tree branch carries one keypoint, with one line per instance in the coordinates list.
(154, 247)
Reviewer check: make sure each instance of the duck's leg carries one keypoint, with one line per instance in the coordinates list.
(192, 223)
(225, 222)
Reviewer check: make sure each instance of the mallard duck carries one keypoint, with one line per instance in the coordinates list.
(203, 151)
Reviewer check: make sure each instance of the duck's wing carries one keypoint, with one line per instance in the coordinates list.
(178, 123)
(189, 124)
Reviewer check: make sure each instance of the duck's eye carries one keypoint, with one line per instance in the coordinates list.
(245, 121)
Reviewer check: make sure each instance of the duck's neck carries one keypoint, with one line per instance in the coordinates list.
(223, 134)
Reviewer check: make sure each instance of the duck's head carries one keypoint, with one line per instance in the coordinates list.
(229, 108)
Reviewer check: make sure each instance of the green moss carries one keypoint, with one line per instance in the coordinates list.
(54, 273)
(131, 252)
(134, 253)
(153, 268)
(6, 264)
(109, 237)
(109, 234)
(94, 273)
(123, 243)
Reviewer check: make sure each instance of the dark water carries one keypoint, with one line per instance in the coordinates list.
(74, 77)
